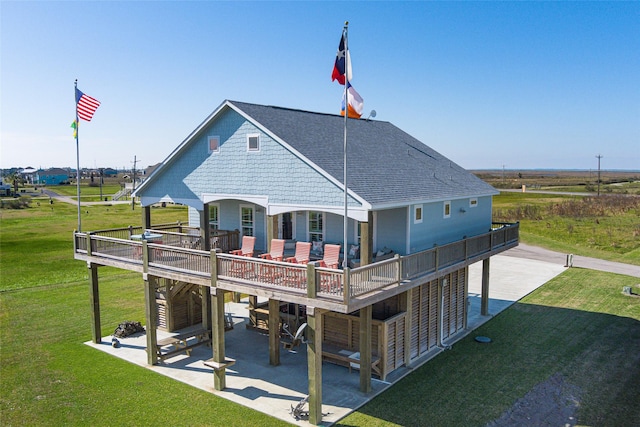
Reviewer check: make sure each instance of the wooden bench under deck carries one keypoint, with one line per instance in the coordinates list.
(180, 343)
(218, 366)
(349, 358)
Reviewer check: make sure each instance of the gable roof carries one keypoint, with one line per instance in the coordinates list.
(386, 166)
(53, 171)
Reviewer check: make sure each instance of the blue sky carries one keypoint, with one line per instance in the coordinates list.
(488, 84)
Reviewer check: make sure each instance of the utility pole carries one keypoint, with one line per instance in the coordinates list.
(133, 199)
(599, 156)
(503, 173)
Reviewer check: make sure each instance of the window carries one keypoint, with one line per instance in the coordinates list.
(417, 214)
(447, 209)
(358, 231)
(473, 202)
(253, 142)
(214, 144)
(316, 221)
(214, 221)
(246, 219)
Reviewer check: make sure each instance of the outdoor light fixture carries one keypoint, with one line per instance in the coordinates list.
(462, 210)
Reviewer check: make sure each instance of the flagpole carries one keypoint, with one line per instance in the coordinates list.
(75, 97)
(346, 116)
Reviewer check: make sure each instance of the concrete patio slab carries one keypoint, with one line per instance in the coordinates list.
(273, 390)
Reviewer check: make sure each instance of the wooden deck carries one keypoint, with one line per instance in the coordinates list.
(337, 290)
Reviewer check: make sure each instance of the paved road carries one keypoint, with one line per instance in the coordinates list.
(67, 199)
(559, 193)
(540, 254)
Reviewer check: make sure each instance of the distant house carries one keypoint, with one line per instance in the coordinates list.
(53, 176)
(109, 172)
(415, 222)
(5, 188)
(28, 174)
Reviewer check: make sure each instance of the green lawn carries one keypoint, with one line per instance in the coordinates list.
(579, 325)
(606, 228)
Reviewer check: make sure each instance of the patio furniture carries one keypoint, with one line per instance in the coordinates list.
(180, 342)
(248, 242)
(302, 253)
(331, 257)
(277, 250)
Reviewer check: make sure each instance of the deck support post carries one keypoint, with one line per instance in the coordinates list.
(205, 236)
(206, 307)
(484, 302)
(314, 360)
(217, 328)
(274, 332)
(146, 217)
(218, 344)
(94, 296)
(365, 348)
(150, 317)
(467, 306)
(440, 321)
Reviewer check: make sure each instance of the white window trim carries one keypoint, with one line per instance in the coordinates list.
(324, 224)
(253, 215)
(417, 208)
(209, 144)
(473, 202)
(217, 205)
(253, 135)
(444, 209)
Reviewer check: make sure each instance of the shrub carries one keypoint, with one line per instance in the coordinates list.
(19, 203)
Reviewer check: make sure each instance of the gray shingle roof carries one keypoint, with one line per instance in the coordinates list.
(386, 165)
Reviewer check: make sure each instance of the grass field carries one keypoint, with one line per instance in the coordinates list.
(578, 326)
(611, 182)
(606, 227)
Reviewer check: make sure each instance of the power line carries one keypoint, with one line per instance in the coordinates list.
(599, 156)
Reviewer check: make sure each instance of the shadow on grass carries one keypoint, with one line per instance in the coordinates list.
(597, 355)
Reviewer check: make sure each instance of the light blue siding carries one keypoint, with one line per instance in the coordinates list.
(272, 171)
(391, 230)
(437, 230)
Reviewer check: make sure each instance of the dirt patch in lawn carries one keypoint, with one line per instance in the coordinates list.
(553, 402)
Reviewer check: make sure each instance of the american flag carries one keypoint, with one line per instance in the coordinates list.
(85, 105)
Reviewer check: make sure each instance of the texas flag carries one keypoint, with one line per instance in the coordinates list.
(355, 103)
(342, 57)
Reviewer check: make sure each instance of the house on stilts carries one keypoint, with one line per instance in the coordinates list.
(262, 174)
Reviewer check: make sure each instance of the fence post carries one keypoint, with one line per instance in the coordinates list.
(399, 268)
